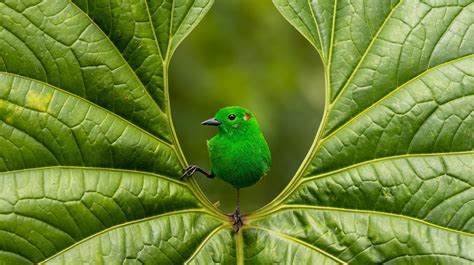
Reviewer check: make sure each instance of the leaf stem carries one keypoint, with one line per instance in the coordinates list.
(239, 247)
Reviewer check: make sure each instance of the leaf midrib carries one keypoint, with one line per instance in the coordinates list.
(119, 170)
(274, 205)
(120, 54)
(394, 91)
(128, 122)
(205, 241)
(153, 31)
(362, 58)
(387, 158)
(282, 208)
(322, 54)
(174, 213)
(297, 241)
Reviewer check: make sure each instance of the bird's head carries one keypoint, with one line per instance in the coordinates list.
(234, 120)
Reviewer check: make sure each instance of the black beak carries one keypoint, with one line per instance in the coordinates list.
(211, 121)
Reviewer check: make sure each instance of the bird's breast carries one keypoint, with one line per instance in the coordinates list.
(239, 162)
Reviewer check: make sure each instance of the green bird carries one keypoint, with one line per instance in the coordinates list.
(239, 153)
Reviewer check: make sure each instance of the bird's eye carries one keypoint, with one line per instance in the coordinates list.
(231, 117)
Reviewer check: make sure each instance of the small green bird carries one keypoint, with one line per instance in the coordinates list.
(239, 153)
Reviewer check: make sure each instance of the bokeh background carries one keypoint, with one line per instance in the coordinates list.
(244, 53)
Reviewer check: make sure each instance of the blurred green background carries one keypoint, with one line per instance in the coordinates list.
(244, 53)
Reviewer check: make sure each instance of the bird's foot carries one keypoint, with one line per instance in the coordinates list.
(238, 222)
(189, 171)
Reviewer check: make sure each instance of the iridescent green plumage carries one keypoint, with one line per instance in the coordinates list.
(239, 153)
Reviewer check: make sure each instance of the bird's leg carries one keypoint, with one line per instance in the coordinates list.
(236, 214)
(191, 169)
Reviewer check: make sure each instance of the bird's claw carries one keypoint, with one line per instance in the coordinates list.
(189, 171)
(238, 222)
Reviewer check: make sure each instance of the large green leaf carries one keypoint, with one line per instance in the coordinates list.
(91, 162)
